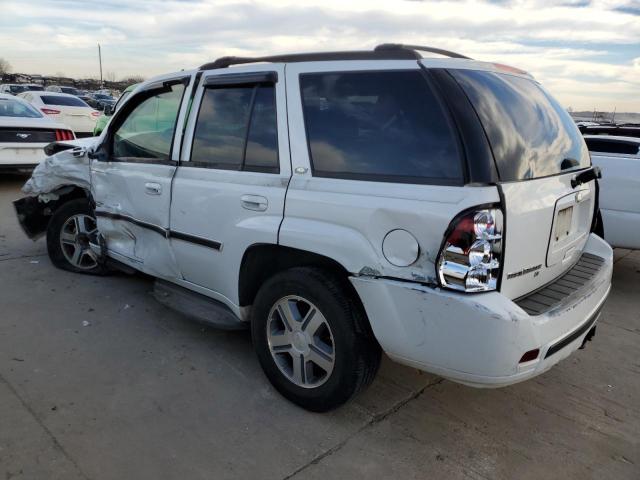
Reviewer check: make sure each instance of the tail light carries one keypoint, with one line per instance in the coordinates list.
(471, 256)
(62, 135)
(50, 111)
(95, 113)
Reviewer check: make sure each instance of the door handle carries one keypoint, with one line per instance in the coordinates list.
(254, 202)
(153, 188)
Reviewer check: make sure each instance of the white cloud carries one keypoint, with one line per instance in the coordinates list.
(150, 37)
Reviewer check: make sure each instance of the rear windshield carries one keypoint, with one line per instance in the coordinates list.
(531, 135)
(34, 88)
(612, 146)
(69, 90)
(17, 88)
(14, 108)
(63, 101)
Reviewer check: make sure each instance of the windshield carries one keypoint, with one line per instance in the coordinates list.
(17, 88)
(34, 88)
(14, 108)
(62, 101)
(531, 135)
(100, 96)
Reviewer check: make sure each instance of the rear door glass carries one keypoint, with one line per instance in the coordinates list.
(379, 126)
(237, 129)
(531, 135)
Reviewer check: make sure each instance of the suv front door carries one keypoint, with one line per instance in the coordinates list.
(229, 189)
(132, 173)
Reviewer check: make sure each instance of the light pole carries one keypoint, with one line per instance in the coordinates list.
(100, 61)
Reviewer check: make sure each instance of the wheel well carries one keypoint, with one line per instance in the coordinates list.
(261, 262)
(34, 215)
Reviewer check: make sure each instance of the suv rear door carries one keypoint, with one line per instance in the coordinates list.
(538, 150)
(132, 173)
(230, 186)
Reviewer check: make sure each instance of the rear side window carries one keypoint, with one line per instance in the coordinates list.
(611, 146)
(531, 135)
(63, 101)
(379, 126)
(237, 129)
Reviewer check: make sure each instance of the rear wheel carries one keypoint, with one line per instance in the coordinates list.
(312, 339)
(68, 234)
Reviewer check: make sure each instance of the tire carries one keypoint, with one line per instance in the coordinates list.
(330, 337)
(598, 226)
(67, 234)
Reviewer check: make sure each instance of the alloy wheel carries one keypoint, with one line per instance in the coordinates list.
(74, 241)
(300, 341)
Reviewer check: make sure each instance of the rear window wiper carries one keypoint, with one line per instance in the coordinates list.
(586, 176)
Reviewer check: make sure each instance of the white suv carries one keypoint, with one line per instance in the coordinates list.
(344, 204)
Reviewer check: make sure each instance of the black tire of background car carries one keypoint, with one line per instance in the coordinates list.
(598, 227)
(60, 216)
(357, 353)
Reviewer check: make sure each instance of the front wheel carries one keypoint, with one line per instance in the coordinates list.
(312, 338)
(68, 234)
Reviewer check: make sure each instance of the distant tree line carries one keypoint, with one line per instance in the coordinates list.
(109, 82)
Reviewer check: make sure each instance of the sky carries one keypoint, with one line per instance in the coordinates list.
(586, 52)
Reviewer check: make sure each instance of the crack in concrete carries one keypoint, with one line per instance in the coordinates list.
(49, 433)
(23, 256)
(375, 419)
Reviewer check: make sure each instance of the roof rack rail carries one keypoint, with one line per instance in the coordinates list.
(386, 51)
(390, 54)
(399, 46)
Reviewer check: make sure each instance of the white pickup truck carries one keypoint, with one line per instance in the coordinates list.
(342, 204)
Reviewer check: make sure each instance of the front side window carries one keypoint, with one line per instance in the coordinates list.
(379, 126)
(147, 131)
(237, 129)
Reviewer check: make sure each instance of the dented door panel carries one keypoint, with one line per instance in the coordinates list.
(131, 187)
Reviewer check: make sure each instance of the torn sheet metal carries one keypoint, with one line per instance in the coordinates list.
(69, 166)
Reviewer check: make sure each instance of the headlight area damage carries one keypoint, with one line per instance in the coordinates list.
(62, 176)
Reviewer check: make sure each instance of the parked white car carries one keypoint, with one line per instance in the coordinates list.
(65, 108)
(344, 204)
(63, 89)
(619, 159)
(16, 88)
(24, 131)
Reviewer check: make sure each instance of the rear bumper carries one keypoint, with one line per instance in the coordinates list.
(21, 156)
(479, 339)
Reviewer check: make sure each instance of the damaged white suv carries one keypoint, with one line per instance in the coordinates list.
(343, 204)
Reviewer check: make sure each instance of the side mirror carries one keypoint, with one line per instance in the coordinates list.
(108, 110)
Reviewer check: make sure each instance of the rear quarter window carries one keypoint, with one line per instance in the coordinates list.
(531, 135)
(379, 126)
(63, 101)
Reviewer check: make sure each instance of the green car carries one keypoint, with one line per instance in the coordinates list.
(104, 118)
